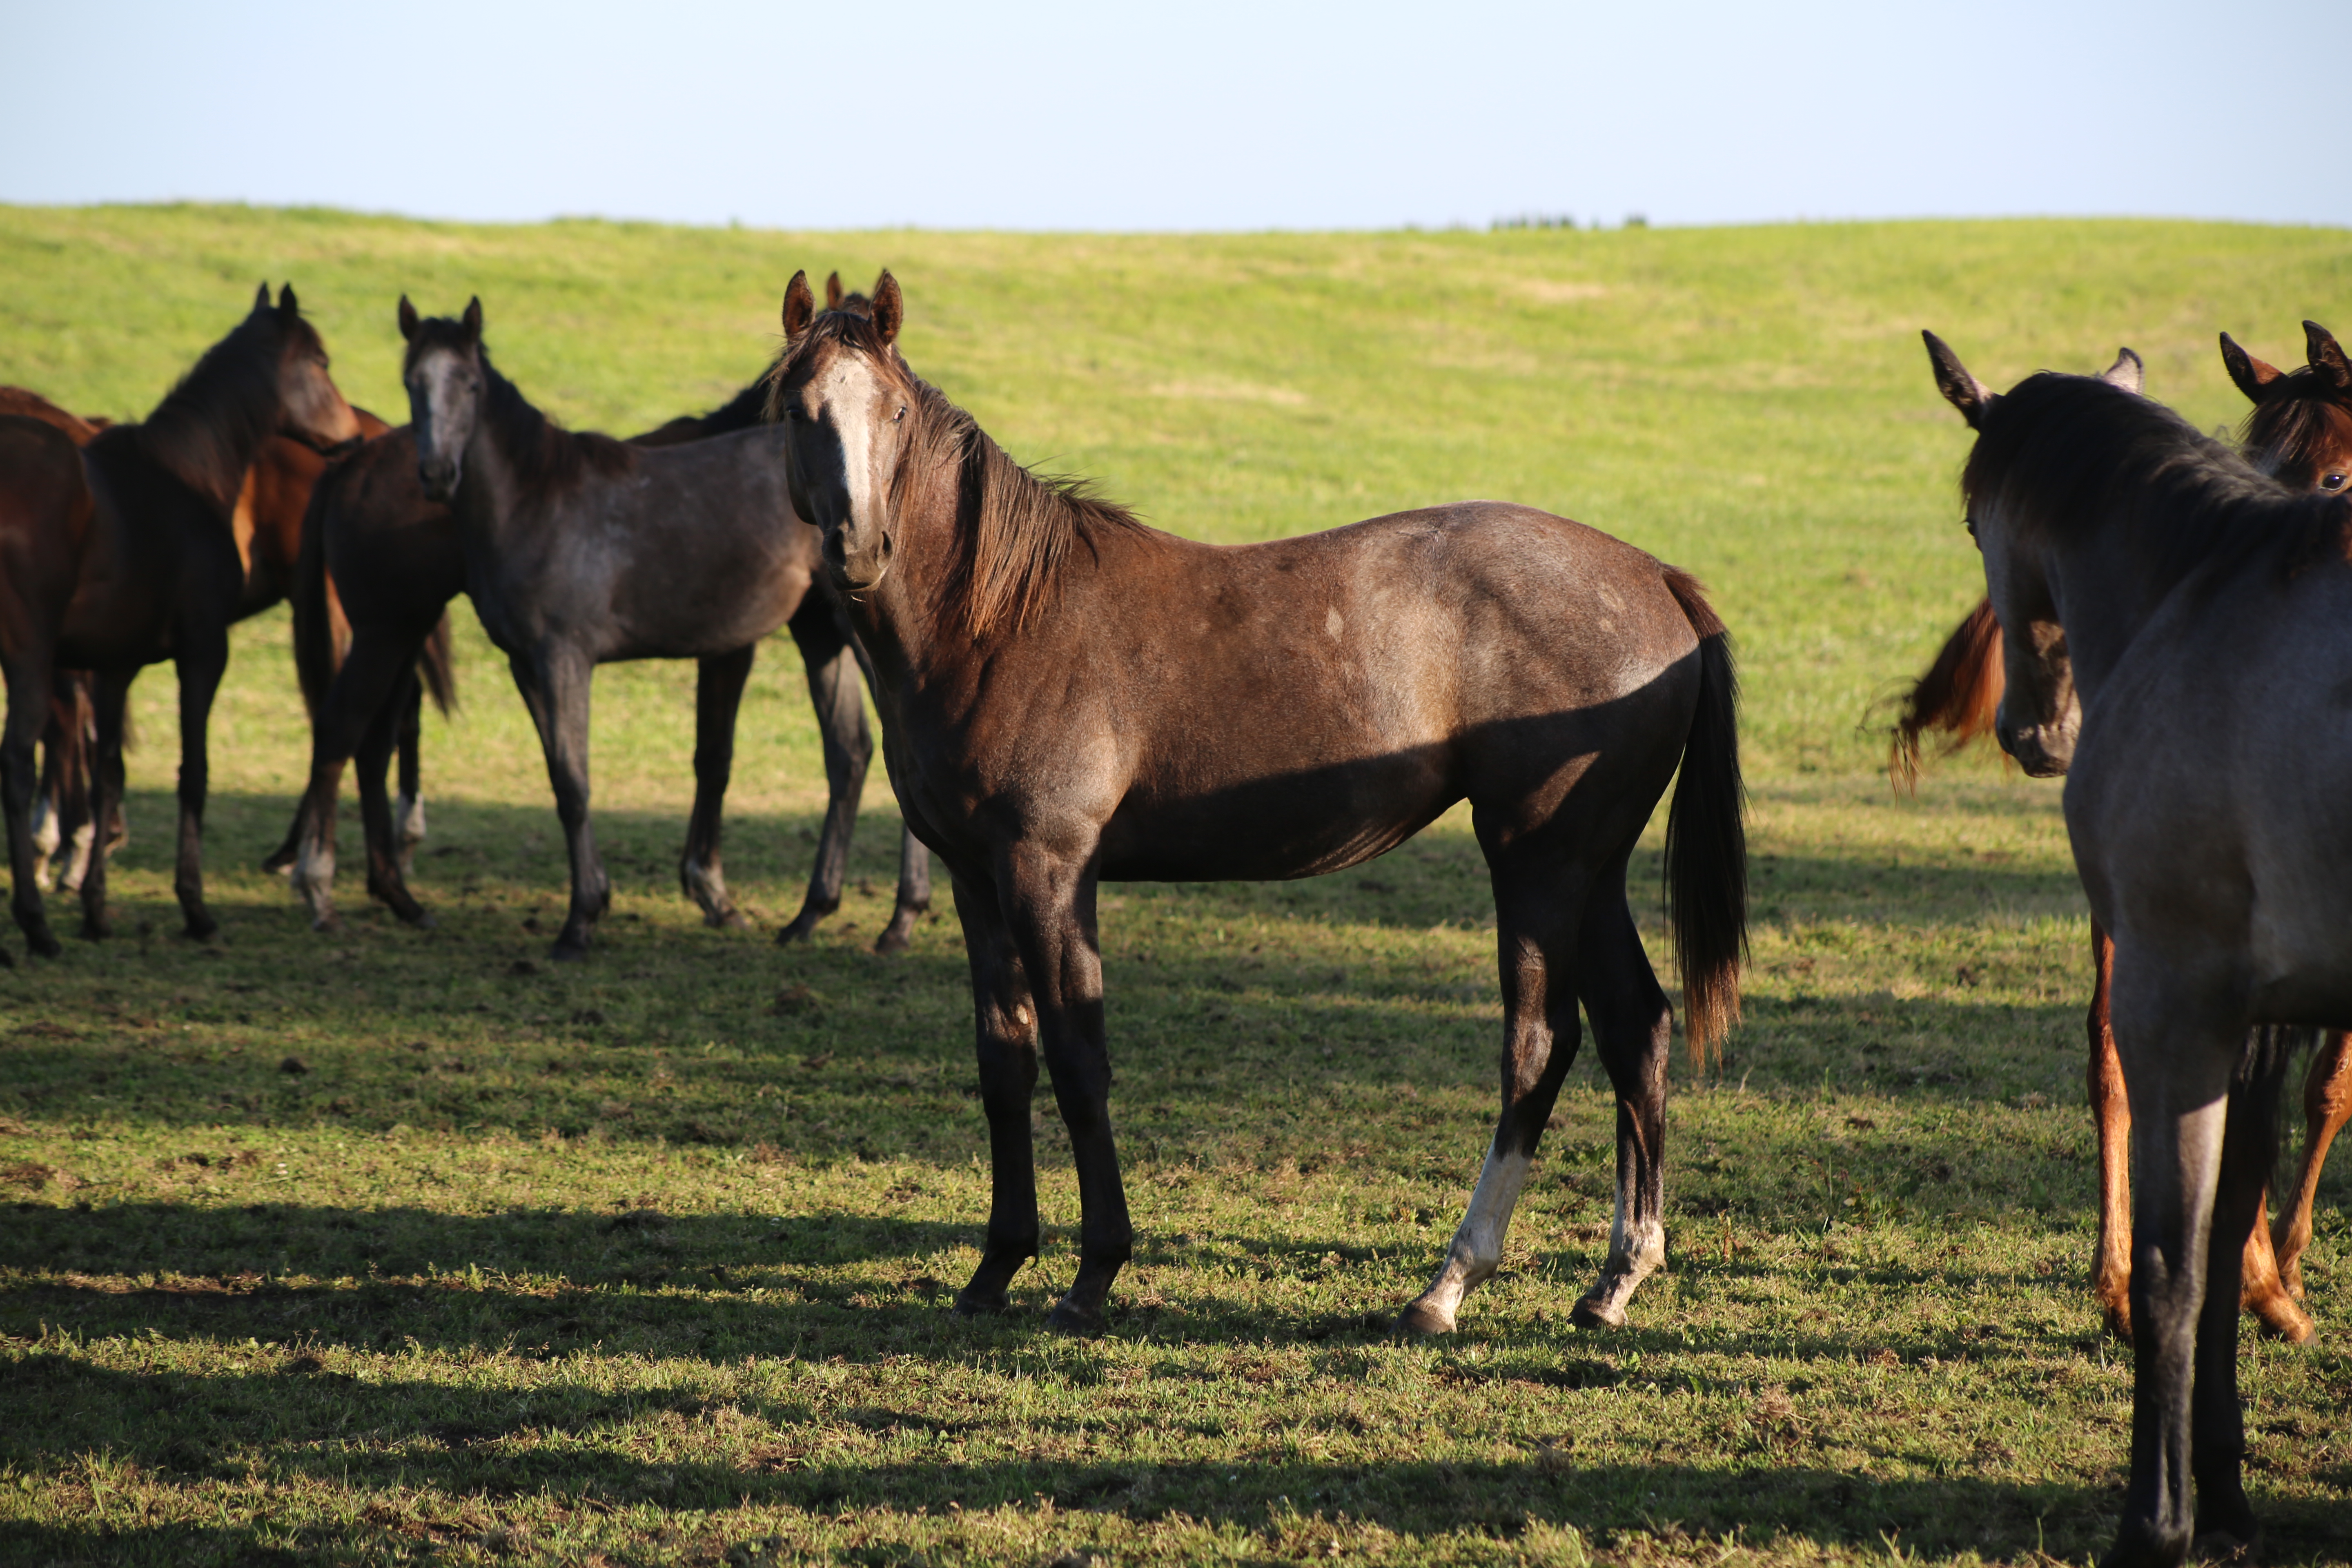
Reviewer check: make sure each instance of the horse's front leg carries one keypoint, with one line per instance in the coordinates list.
(718, 696)
(109, 695)
(832, 671)
(1005, 1027)
(554, 683)
(1049, 907)
(384, 828)
(2326, 1106)
(200, 671)
(28, 711)
(2179, 1058)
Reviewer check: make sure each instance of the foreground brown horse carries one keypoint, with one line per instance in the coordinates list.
(2300, 432)
(375, 529)
(1070, 697)
(2177, 640)
(138, 562)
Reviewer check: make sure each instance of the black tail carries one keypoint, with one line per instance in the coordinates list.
(316, 655)
(436, 662)
(1706, 837)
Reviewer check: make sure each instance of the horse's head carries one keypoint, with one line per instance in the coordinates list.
(844, 396)
(2300, 432)
(311, 407)
(2040, 714)
(443, 372)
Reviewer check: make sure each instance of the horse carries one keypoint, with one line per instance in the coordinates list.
(146, 568)
(696, 555)
(1070, 697)
(2300, 432)
(2176, 631)
(376, 526)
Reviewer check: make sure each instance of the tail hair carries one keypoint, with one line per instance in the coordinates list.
(1706, 837)
(436, 661)
(1957, 697)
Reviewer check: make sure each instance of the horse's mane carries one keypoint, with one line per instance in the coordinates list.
(208, 427)
(1014, 527)
(2064, 452)
(547, 459)
(2301, 418)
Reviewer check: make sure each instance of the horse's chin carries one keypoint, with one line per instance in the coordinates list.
(2039, 753)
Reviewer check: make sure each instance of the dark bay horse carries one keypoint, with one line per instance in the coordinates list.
(147, 568)
(2300, 432)
(696, 554)
(1070, 697)
(2177, 641)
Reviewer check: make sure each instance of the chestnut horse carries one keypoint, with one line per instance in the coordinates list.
(401, 556)
(2299, 432)
(1070, 697)
(142, 567)
(2177, 640)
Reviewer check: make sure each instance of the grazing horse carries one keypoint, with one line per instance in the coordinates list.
(1069, 697)
(2299, 432)
(401, 552)
(146, 567)
(578, 550)
(2177, 636)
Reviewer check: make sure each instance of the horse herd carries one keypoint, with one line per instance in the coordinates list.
(1070, 697)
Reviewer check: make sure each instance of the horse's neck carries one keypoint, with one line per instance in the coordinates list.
(487, 486)
(2108, 588)
(208, 431)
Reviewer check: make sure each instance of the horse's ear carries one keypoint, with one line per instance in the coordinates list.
(407, 319)
(472, 320)
(1962, 391)
(2252, 376)
(832, 291)
(889, 310)
(800, 307)
(2127, 373)
(287, 305)
(261, 298)
(2328, 354)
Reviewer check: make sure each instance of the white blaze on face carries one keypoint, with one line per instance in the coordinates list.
(853, 404)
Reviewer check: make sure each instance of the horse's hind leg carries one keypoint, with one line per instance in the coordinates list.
(718, 697)
(1633, 1026)
(2326, 1106)
(914, 893)
(28, 710)
(1535, 946)
(200, 670)
(2111, 1113)
(380, 823)
(848, 750)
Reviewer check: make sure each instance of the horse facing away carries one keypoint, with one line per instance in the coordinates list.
(1069, 697)
(2177, 633)
(2299, 431)
(146, 568)
(698, 555)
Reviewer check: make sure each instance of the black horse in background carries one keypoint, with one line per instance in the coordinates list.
(394, 558)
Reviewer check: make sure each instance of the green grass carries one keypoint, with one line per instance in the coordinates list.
(645, 1261)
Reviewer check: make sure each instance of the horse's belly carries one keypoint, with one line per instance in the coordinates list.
(1273, 828)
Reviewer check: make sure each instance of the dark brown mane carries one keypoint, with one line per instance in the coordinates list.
(2059, 451)
(1014, 527)
(547, 459)
(2302, 419)
(208, 427)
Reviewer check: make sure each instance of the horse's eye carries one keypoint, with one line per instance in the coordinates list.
(895, 418)
(1971, 524)
(2332, 483)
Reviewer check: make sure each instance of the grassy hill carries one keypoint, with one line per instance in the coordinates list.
(386, 1246)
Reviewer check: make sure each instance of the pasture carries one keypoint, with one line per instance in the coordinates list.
(393, 1246)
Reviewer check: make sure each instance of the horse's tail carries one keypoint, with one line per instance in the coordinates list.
(436, 661)
(1706, 837)
(1957, 697)
(315, 653)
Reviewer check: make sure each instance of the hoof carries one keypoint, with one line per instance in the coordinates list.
(7, 959)
(895, 940)
(1421, 1318)
(972, 1303)
(43, 943)
(328, 924)
(200, 928)
(729, 919)
(568, 952)
(802, 928)
(2118, 1315)
(2281, 1322)
(279, 862)
(421, 920)
(1078, 1322)
(1596, 1312)
(97, 930)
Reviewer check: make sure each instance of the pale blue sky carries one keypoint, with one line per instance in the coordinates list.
(1203, 115)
